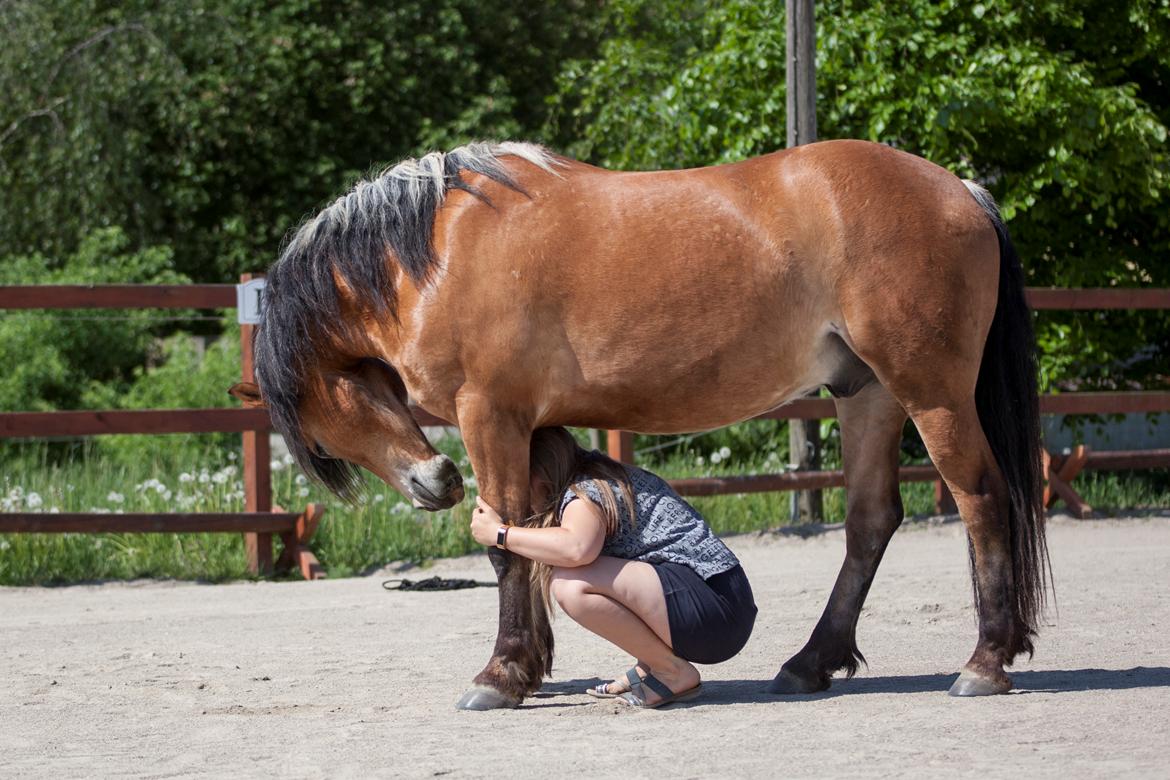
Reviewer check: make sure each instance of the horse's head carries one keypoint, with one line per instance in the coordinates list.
(360, 417)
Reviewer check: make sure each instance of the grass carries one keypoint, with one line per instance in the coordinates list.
(162, 474)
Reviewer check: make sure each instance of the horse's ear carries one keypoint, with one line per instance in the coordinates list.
(249, 393)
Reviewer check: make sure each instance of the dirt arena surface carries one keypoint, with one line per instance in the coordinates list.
(344, 679)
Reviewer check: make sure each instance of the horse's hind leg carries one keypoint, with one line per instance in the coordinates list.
(956, 442)
(871, 432)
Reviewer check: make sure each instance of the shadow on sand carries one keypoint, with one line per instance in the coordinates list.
(754, 691)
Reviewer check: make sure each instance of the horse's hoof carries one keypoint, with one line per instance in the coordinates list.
(480, 698)
(787, 683)
(973, 684)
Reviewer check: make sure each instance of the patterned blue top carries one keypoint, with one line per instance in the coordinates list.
(668, 528)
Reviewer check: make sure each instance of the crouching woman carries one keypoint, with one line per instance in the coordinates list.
(630, 560)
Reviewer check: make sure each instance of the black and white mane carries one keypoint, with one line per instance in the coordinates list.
(390, 216)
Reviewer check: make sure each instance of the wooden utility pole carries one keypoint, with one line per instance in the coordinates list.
(802, 72)
(804, 436)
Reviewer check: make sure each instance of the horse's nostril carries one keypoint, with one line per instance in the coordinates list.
(451, 478)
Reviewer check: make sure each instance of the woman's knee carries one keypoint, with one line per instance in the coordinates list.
(567, 589)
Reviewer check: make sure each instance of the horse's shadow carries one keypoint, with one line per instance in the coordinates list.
(755, 691)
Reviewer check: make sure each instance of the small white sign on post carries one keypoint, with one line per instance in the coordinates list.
(250, 301)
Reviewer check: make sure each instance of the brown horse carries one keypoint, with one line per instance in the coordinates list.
(504, 288)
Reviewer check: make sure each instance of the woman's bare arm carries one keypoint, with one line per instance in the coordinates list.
(577, 541)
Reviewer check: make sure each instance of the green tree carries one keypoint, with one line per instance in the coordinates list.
(213, 126)
(1061, 108)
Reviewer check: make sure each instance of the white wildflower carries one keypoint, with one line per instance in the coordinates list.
(716, 457)
(302, 492)
(204, 477)
(231, 456)
(379, 498)
(471, 482)
(219, 478)
(54, 510)
(287, 458)
(114, 497)
(700, 460)
(33, 500)
(4, 545)
(301, 479)
(275, 465)
(186, 478)
(400, 509)
(724, 453)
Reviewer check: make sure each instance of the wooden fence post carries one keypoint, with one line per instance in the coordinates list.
(257, 465)
(620, 445)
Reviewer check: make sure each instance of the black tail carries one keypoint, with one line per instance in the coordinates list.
(1007, 397)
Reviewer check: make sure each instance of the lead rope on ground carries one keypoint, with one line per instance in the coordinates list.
(437, 583)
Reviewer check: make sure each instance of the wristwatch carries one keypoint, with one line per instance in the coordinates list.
(502, 537)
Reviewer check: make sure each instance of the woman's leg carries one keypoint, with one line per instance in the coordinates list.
(622, 601)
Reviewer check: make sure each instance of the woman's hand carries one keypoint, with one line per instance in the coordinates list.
(485, 523)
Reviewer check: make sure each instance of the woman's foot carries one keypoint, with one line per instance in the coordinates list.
(677, 679)
(619, 686)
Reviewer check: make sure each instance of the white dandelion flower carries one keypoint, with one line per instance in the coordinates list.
(716, 457)
(33, 500)
(114, 497)
(186, 478)
(724, 453)
(302, 492)
(301, 479)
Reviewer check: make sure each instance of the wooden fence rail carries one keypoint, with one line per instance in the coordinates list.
(620, 444)
(261, 520)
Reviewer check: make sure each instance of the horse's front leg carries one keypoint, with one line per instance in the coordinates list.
(497, 445)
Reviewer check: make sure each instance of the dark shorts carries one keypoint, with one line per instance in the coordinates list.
(710, 620)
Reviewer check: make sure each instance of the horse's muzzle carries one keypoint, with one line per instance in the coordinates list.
(435, 484)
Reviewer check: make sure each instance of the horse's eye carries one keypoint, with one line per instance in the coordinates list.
(320, 451)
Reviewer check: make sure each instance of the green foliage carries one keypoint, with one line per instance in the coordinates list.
(186, 377)
(213, 126)
(1061, 108)
(55, 356)
(352, 539)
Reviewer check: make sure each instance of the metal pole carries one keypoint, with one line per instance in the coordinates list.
(804, 436)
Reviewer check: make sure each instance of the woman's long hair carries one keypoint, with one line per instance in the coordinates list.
(556, 460)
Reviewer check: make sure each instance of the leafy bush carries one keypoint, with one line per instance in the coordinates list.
(186, 377)
(55, 356)
(1061, 108)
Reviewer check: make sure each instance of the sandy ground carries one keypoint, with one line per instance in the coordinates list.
(344, 679)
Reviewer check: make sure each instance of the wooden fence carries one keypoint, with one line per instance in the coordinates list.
(260, 520)
(1061, 469)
